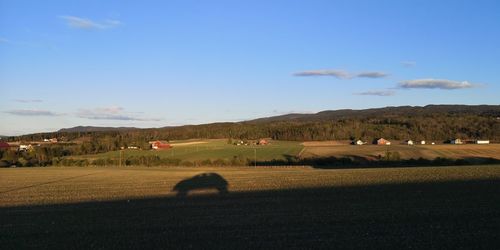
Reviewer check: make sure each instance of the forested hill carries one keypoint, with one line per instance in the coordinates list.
(429, 110)
(432, 122)
(93, 129)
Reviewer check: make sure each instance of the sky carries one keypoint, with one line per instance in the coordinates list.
(169, 63)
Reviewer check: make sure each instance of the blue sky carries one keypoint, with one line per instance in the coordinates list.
(164, 63)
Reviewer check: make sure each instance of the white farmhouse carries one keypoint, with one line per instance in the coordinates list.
(24, 147)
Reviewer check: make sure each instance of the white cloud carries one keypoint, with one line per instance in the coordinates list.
(325, 72)
(372, 74)
(435, 84)
(84, 23)
(31, 112)
(110, 113)
(377, 93)
(341, 74)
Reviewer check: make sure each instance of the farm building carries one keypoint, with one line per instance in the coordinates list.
(456, 141)
(409, 142)
(482, 141)
(159, 145)
(383, 141)
(263, 142)
(422, 142)
(24, 147)
(358, 142)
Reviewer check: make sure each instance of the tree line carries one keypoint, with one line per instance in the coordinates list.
(430, 126)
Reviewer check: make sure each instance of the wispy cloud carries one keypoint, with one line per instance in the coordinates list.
(32, 112)
(325, 72)
(28, 100)
(409, 64)
(341, 74)
(3, 40)
(436, 84)
(372, 74)
(84, 23)
(110, 113)
(377, 93)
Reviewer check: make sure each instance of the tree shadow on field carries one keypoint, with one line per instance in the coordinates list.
(205, 181)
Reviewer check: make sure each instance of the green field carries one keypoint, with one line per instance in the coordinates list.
(218, 153)
(209, 149)
(136, 208)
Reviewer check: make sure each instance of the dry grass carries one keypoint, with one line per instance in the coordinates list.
(266, 208)
(179, 144)
(325, 143)
(405, 151)
(28, 186)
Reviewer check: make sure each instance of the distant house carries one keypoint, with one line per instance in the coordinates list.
(358, 142)
(263, 142)
(24, 147)
(456, 141)
(159, 145)
(409, 142)
(53, 140)
(422, 142)
(482, 141)
(4, 145)
(383, 141)
(132, 147)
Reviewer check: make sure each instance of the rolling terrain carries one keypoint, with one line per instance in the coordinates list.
(280, 152)
(431, 122)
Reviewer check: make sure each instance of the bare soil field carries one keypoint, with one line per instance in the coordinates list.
(82, 208)
(405, 151)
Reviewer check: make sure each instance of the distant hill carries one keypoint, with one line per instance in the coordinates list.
(436, 122)
(93, 129)
(488, 110)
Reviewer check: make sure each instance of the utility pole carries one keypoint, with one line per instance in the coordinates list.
(121, 158)
(255, 156)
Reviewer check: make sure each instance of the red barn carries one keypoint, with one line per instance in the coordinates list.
(263, 142)
(160, 145)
